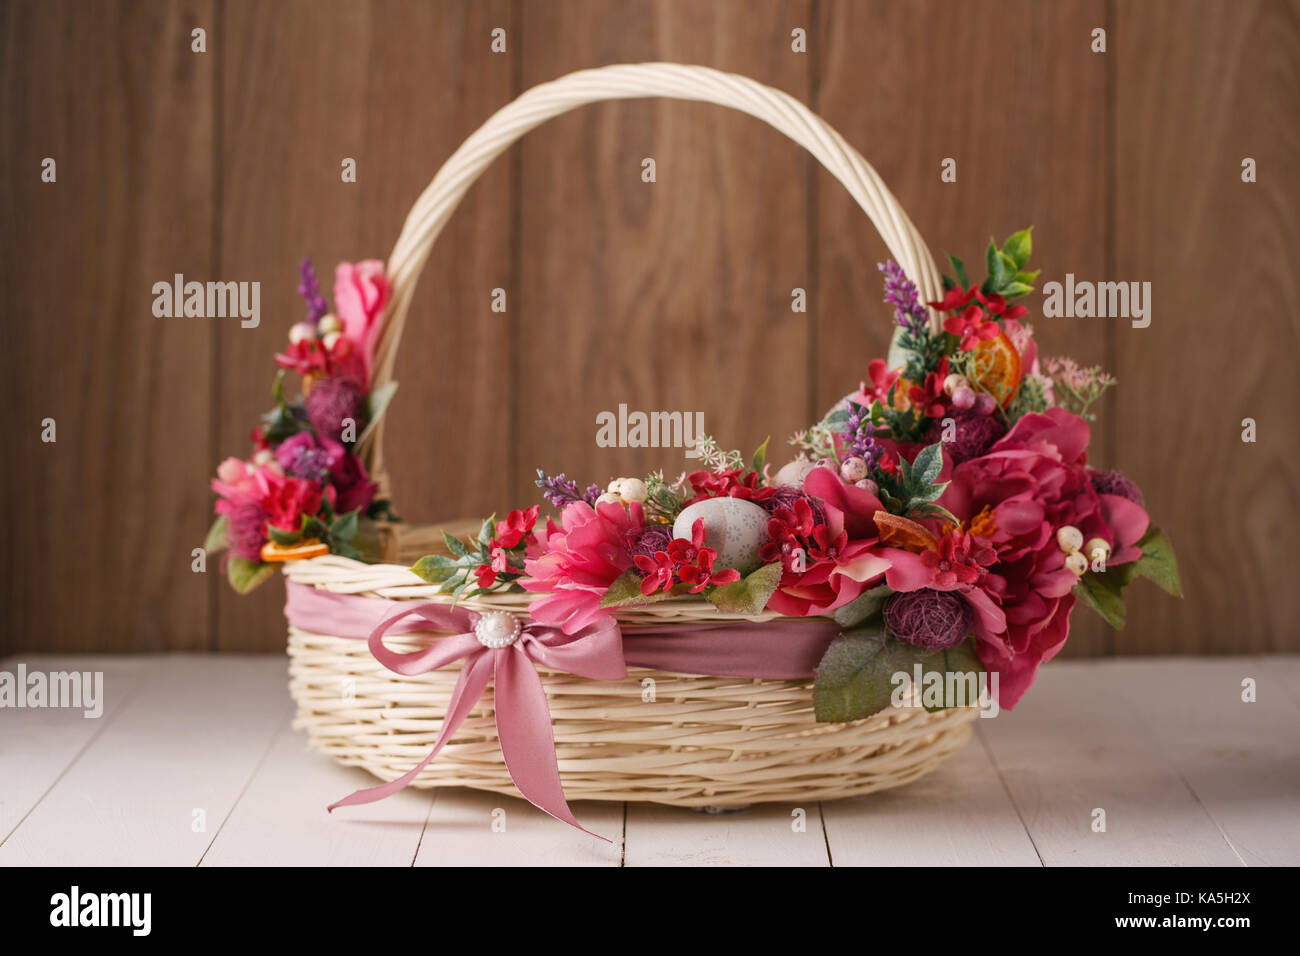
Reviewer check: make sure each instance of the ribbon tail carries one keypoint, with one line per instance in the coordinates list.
(473, 680)
(527, 742)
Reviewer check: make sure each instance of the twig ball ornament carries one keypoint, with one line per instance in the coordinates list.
(934, 620)
(497, 629)
(733, 527)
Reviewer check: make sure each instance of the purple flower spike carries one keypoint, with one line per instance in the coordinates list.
(309, 289)
(900, 292)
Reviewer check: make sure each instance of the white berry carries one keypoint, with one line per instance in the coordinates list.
(1069, 538)
(329, 323)
(302, 332)
(1076, 562)
(1097, 544)
(954, 382)
(633, 489)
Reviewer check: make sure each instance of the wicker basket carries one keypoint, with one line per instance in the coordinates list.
(676, 739)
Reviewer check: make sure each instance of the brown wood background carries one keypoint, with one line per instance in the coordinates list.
(225, 165)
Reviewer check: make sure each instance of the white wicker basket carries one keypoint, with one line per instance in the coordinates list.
(701, 741)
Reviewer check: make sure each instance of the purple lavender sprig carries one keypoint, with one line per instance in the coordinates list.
(561, 491)
(859, 437)
(309, 289)
(900, 292)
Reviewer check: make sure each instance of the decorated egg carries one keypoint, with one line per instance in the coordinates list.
(733, 527)
(792, 473)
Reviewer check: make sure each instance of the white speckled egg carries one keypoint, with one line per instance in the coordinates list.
(792, 473)
(733, 527)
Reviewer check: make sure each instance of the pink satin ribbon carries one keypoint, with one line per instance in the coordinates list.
(785, 649)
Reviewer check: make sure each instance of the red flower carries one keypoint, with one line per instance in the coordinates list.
(996, 305)
(971, 326)
(518, 527)
(287, 499)
(486, 576)
(684, 551)
(733, 483)
(659, 572)
(701, 574)
(960, 559)
(882, 380)
(955, 298)
(500, 560)
(930, 397)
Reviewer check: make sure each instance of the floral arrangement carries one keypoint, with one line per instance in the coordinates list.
(304, 491)
(944, 514)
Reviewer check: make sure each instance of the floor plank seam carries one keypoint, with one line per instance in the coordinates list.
(126, 703)
(993, 762)
(826, 836)
(252, 775)
(424, 828)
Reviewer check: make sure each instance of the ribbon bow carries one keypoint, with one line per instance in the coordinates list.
(498, 647)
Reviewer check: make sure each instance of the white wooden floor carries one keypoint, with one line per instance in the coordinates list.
(193, 763)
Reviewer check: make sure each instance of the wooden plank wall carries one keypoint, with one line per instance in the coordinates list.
(671, 295)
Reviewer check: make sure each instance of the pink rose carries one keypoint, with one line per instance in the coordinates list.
(360, 293)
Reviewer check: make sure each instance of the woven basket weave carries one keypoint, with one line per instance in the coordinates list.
(661, 737)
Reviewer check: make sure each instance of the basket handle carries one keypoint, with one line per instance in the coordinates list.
(633, 81)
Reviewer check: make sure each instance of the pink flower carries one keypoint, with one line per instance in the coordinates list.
(287, 499)
(360, 294)
(971, 327)
(1033, 482)
(578, 561)
(840, 556)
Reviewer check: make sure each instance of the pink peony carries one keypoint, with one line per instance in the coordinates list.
(360, 294)
(1033, 482)
(578, 561)
(840, 553)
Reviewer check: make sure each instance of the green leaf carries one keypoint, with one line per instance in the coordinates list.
(929, 510)
(959, 268)
(865, 606)
(244, 575)
(1158, 562)
(626, 592)
(1004, 273)
(961, 659)
(751, 593)
(486, 530)
(215, 542)
(344, 528)
(282, 537)
(313, 528)
(376, 404)
(1019, 246)
(991, 262)
(1104, 593)
(454, 545)
(858, 675)
(435, 568)
(1014, 290)
(1027, 277)
(760, 456)
(928, 463)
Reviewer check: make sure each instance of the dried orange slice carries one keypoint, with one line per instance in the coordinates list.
(307, 548)
(897, 532)
(997, 368)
